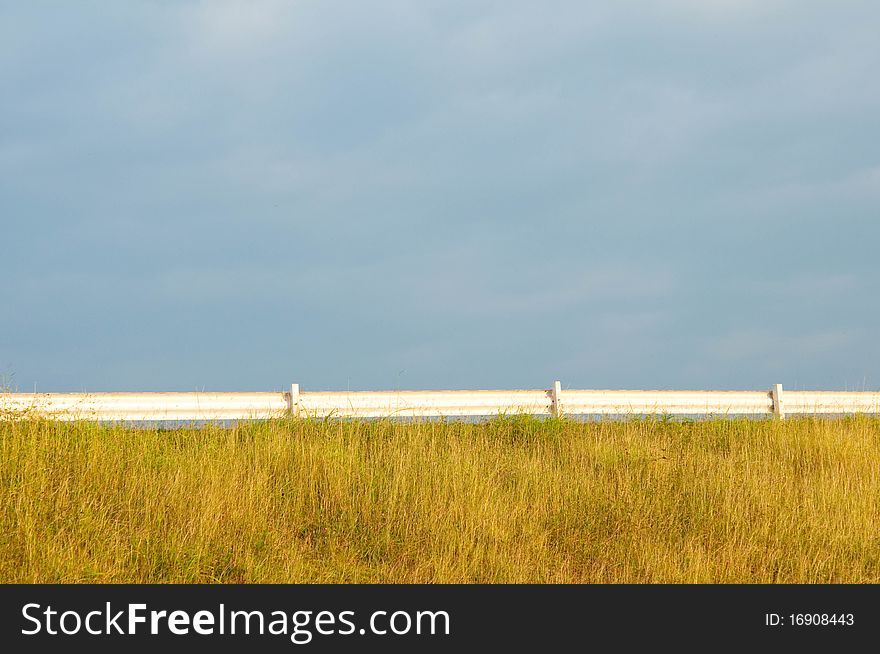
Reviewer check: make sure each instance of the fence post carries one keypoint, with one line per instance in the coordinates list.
(778, 406)
(293, 400)
(556, 400)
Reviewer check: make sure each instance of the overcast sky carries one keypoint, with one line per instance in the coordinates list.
(397, 194)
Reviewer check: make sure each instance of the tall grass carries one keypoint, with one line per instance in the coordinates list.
(510, 500)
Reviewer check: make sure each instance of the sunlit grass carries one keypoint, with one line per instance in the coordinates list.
(510, 500)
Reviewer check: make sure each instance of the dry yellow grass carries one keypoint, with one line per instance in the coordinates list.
(511, 500)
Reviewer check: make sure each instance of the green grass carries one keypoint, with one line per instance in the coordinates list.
(511, 500)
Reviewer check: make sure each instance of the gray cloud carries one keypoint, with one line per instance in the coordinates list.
(240, 195)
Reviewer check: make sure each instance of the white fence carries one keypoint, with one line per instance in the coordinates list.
(424, 404)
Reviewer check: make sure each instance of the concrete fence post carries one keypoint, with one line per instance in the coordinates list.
(556, 400)
(778, 406)
(293, 400)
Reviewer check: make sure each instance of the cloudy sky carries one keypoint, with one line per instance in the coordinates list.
(233, 195)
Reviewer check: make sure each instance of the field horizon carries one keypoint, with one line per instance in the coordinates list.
(509, 500)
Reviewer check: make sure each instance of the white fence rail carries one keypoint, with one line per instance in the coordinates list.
(148, 407)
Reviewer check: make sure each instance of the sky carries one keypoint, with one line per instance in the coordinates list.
(236, 196)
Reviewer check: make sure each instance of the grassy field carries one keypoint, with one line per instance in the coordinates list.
(511, 500)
